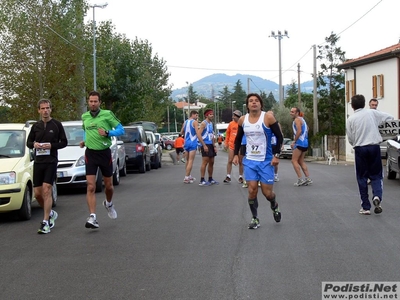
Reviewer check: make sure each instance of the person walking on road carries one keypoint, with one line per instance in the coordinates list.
(99, 126)
(46, 137)
(363, 135)
(189, 131)
(179, 142)
(206, 137)
(300, 147)
(230, 137)
(260, 158)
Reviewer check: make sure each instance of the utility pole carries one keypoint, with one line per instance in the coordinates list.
(315, 102)
(280, 36)
(298, 84)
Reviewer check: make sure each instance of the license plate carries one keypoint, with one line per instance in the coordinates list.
(60, 174)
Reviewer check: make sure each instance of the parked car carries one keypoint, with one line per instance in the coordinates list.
(383, 147)
(286, 151)
(16, 171)
(168, 143)
(393, 159)
(155, 150)
(159, 139)
(136, 148)
(71, 171)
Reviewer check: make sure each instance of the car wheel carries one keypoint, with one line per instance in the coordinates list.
(142, 167)
(99, 181)
(390, 173)
(116, 178)
(169, 147)
(156, 162)
(148, 165)
(122, 172)
(25, 212)
(54, 194)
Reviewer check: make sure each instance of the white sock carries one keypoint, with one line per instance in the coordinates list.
(46, 222)
(93, 215)
(51, 213)
(228, 175)
(109, 204)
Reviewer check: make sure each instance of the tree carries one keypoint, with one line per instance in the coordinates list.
(36, 62)
(292, 89)
(331, 89)
(269, 101)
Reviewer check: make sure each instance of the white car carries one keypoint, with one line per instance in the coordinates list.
(155, 150)
(71, 170)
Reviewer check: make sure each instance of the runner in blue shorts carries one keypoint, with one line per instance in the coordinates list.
(189, 132)
(258, 127)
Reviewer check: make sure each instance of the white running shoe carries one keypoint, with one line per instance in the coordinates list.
(111, 210)
(91, 222)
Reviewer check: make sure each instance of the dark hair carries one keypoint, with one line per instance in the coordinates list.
(298, 111)
(258, 97)
(373, 100)
(94, 93)
(207, 111)
(357, 101)
(194, 112)
(41, 101)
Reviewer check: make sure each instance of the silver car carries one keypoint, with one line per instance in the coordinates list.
(71, 170)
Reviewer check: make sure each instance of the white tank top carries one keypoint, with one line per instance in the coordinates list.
(256, 146)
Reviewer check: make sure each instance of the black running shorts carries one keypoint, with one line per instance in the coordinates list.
(210, 152)
(44, 172)
(101, 159)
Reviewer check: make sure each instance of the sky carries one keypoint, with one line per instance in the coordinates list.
(200, 38)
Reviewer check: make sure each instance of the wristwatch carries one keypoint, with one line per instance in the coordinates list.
(106, 132)
(276, 155)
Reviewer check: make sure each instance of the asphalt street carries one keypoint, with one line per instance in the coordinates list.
(182, 241)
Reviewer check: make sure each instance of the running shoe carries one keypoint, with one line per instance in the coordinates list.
(91, 222)
(187, 180)
(244, 184)
(52, 219)
(308, 181)
(364, 211)
(112, 214)
(299, 182)
(377, 204)
(254, 224)
(259, 183)
(227, 180)
(183, 160)
(276, 178)
(240, 180)
(44, 228)
(204, 183)
(192, 179)
(277, 214)
(212, 181)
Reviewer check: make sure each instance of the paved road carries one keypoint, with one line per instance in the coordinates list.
(177, 241)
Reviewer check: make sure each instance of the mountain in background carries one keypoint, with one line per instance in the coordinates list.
(212, 85)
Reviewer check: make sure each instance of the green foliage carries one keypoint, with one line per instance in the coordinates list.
(331, 90)
(36, 61)
(46, 52)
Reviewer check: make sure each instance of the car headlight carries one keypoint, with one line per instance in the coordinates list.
(80, 162)
(7, 178)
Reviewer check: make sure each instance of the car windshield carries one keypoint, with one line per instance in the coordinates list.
(12, 143)
(131, 136)
(74, 134)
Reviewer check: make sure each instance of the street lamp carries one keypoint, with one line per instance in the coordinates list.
(232, 102)
(188, 99)
(280, 36)
(94, 41)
